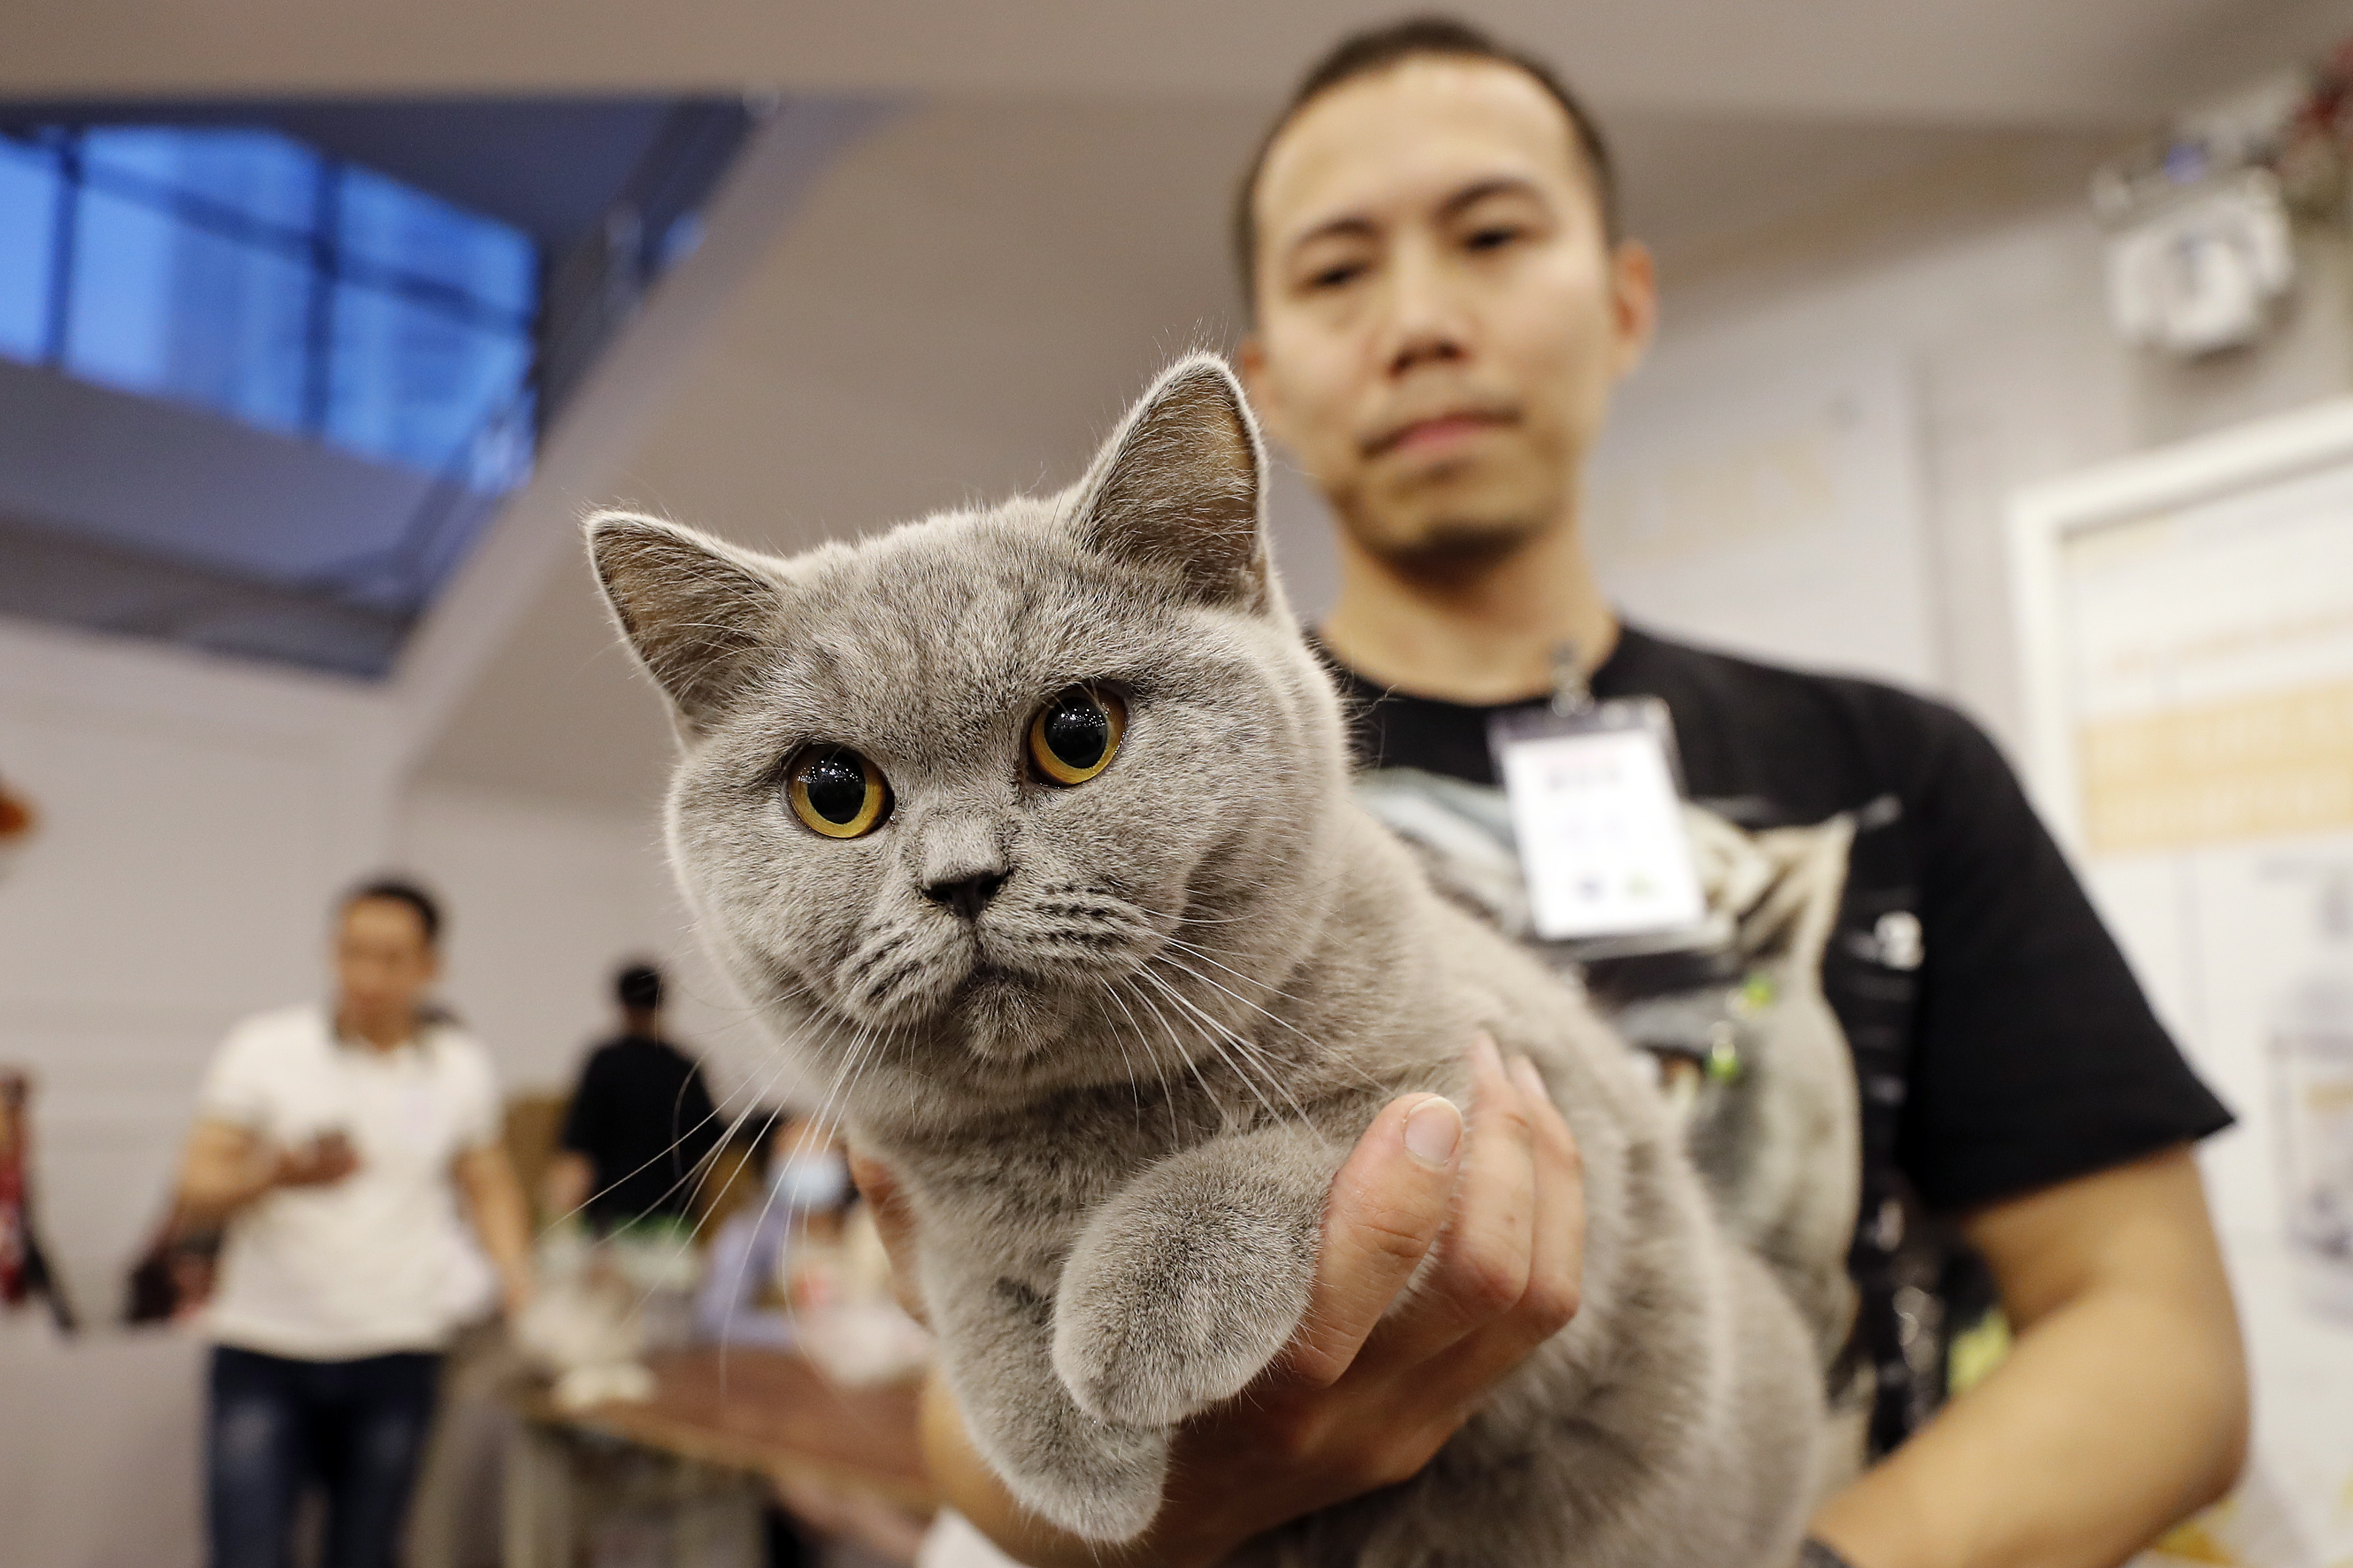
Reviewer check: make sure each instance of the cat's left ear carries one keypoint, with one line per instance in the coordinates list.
(1176, 489)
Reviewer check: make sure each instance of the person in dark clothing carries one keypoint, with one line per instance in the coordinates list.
(2001, 1043)
(642, 1123)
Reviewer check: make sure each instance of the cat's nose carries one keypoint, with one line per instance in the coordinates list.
(967, 896)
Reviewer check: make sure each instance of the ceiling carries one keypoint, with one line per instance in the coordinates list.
(970, 296)
(1967, 61)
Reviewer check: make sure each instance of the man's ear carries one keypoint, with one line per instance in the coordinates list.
(696, 611)
(1176, 489)
(1633, 304)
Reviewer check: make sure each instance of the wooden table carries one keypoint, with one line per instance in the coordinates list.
(699, 1452)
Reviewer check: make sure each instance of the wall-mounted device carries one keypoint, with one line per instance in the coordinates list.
(2202, 254)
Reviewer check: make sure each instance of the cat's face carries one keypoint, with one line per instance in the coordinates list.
(1022, 794)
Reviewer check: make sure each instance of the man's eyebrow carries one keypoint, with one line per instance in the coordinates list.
(1478, 191)
(1352, 226)
(1355, 226)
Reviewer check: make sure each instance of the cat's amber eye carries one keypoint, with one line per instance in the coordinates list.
(836, 792)
(1074, 737)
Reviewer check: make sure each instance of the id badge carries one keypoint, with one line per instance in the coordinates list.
(1598, 818)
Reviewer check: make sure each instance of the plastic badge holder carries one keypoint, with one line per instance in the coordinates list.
(1598, 812)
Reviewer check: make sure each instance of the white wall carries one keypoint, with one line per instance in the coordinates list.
(2011, 374)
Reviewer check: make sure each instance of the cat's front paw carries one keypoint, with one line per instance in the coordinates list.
(1101, 1483)
(1168, 1309)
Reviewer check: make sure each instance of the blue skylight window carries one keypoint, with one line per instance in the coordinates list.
(250, 274)
(257, 176)
(171, 309)
(29, 187)
(409, 379)
(385, 227)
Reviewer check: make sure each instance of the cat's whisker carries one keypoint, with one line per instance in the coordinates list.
(702, 1177)
(1317, 1045)
(785, 1061)
(1151, 1054)
(1181, 919)
(1184, 1057)
(1134, 1090)
(1266, 1060)
(1240, 1067)
(861, 1042)
(1203, 953)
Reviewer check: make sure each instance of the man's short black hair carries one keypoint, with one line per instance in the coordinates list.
(1377, 49)
(639, 987)
(400, 891)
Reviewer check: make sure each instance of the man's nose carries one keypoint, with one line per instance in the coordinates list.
(1424, 316)
(966, 896)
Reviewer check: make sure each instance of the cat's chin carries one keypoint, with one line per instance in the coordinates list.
(1005, 1017)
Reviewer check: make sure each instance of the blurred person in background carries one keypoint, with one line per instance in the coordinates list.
(342, 1148)
(1442, 304)
(17, 820)
(641, 1124)
(747, 1296)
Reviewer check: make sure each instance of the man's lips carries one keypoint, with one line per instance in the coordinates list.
(1435, 434)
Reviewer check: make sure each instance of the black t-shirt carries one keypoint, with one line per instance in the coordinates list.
(644, 1120)
(2011, 1050)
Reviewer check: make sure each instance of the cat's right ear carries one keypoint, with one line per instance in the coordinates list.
(696, 611)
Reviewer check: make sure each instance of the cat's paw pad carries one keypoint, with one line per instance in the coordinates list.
(1154, 1331)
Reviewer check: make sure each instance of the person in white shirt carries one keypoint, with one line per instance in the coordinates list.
(352, 1153)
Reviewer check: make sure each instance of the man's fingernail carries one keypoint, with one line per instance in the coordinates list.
(1432, 1130)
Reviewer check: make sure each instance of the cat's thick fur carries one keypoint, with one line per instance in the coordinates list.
(1118, 1095)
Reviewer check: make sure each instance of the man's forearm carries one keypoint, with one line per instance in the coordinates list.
(502, 1216)
(222, 1172)
(2121, 1409)
(213, 1197)
(570, 1178)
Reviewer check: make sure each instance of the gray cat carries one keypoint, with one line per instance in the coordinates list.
(1032, 824)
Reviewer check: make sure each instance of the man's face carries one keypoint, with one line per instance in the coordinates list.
(383, 962)
(1439, 315)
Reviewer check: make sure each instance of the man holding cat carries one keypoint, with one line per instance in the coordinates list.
(1442, 303)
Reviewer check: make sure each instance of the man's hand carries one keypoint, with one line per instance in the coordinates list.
(227, 1167)
(320, 1163)
(1378, 1377)
(566, 1188)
